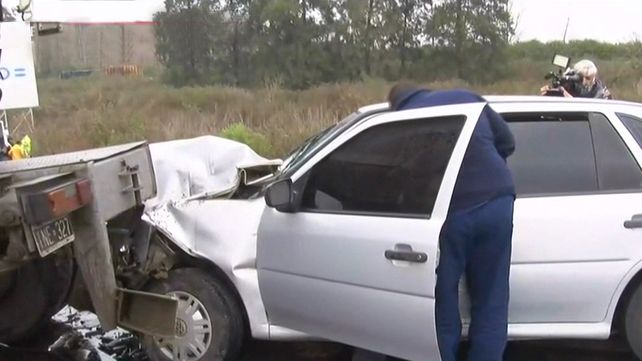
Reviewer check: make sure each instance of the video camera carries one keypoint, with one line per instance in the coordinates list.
(564, 77)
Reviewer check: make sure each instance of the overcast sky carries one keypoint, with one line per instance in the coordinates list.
(604, 20)
(545, 20)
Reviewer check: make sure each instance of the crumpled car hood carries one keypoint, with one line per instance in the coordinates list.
(207, 165)
(194, 207)
(190, 171)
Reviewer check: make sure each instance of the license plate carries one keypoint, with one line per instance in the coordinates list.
(51, 236)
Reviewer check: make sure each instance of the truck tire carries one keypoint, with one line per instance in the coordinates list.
(32, 294)
(633, 322)
(209, 323)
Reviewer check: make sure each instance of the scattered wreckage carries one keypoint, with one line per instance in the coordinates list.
(84, 339)
(71, 233)
(60, 218)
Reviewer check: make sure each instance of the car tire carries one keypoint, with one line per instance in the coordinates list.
(633, 322)
(204, 304)
(32, 294)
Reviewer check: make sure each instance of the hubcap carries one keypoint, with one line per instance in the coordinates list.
(193, 330)
(181, 327)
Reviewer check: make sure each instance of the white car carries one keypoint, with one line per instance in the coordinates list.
(341, 242)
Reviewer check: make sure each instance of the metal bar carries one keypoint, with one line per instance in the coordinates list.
(93, 256)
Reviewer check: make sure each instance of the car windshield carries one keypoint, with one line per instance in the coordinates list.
(311, 144)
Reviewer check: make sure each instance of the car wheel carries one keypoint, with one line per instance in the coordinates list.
(633, 322)
(209, 321)
(30, 295)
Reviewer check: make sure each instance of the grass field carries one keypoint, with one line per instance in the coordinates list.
(84, 113)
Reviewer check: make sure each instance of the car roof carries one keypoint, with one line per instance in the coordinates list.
(496, 99)
(546, 99)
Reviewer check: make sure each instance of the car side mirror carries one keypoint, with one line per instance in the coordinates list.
(279, 195)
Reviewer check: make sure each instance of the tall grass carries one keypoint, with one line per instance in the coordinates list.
(84, 113)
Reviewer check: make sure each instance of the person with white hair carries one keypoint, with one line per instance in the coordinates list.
(590, 86)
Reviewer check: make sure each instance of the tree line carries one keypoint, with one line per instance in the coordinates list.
(301, 43)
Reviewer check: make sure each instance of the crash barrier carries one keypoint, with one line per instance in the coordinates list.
(123, 70)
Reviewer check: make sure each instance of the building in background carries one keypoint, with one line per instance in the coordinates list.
(95, 47)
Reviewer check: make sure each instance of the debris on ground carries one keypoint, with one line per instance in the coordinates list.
(73, 346)
(87, 341)
(123, 348)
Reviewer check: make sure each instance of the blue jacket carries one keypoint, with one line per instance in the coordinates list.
(484, 174)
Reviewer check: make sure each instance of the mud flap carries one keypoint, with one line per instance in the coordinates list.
(148, 313)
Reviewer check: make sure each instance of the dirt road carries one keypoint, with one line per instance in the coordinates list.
(318, 351)
(282, 351)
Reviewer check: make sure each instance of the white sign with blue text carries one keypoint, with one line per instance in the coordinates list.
(17, 72)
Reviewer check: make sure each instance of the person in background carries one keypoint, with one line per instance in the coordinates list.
(20, 149)
(590, 87)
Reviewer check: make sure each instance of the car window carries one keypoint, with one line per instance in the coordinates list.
(553, 154)
(296, 156)
(634, 125)
(305, 151)
(393, 168)
(616, 166)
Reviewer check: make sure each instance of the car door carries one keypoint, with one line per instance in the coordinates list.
(577, 183)
(336, 267)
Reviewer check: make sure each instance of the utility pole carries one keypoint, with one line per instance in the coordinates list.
(100, 48)
(81, 43)
(123, 45)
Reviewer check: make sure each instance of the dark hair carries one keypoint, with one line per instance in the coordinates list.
(401, 92)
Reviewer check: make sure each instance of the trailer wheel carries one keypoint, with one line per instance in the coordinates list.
(32, 294)
(209, 322)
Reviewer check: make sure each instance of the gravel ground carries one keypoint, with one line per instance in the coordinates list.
(35, 350)
(285, 351)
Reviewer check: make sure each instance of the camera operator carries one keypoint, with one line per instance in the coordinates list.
(589, 86)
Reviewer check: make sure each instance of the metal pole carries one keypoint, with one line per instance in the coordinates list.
(122, 44)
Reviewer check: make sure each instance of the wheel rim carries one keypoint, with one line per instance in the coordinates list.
(193, 331)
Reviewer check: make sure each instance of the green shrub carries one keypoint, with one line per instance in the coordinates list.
(241, 133)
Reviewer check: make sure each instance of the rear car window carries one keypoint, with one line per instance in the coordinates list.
(571, 153)
(616, 167)
(634, 125)
(552, 156)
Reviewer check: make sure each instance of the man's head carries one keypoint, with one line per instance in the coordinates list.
(401, 92)
(588, 71)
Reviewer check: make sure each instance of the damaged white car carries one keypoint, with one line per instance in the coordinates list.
(340, 241)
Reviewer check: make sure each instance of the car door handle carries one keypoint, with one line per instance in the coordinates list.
(634, 222)
(408, 256)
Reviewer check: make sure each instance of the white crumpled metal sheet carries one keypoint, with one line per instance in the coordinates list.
(208, 164)
(195, 178)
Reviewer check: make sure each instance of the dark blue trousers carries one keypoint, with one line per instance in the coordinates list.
(476, 241)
